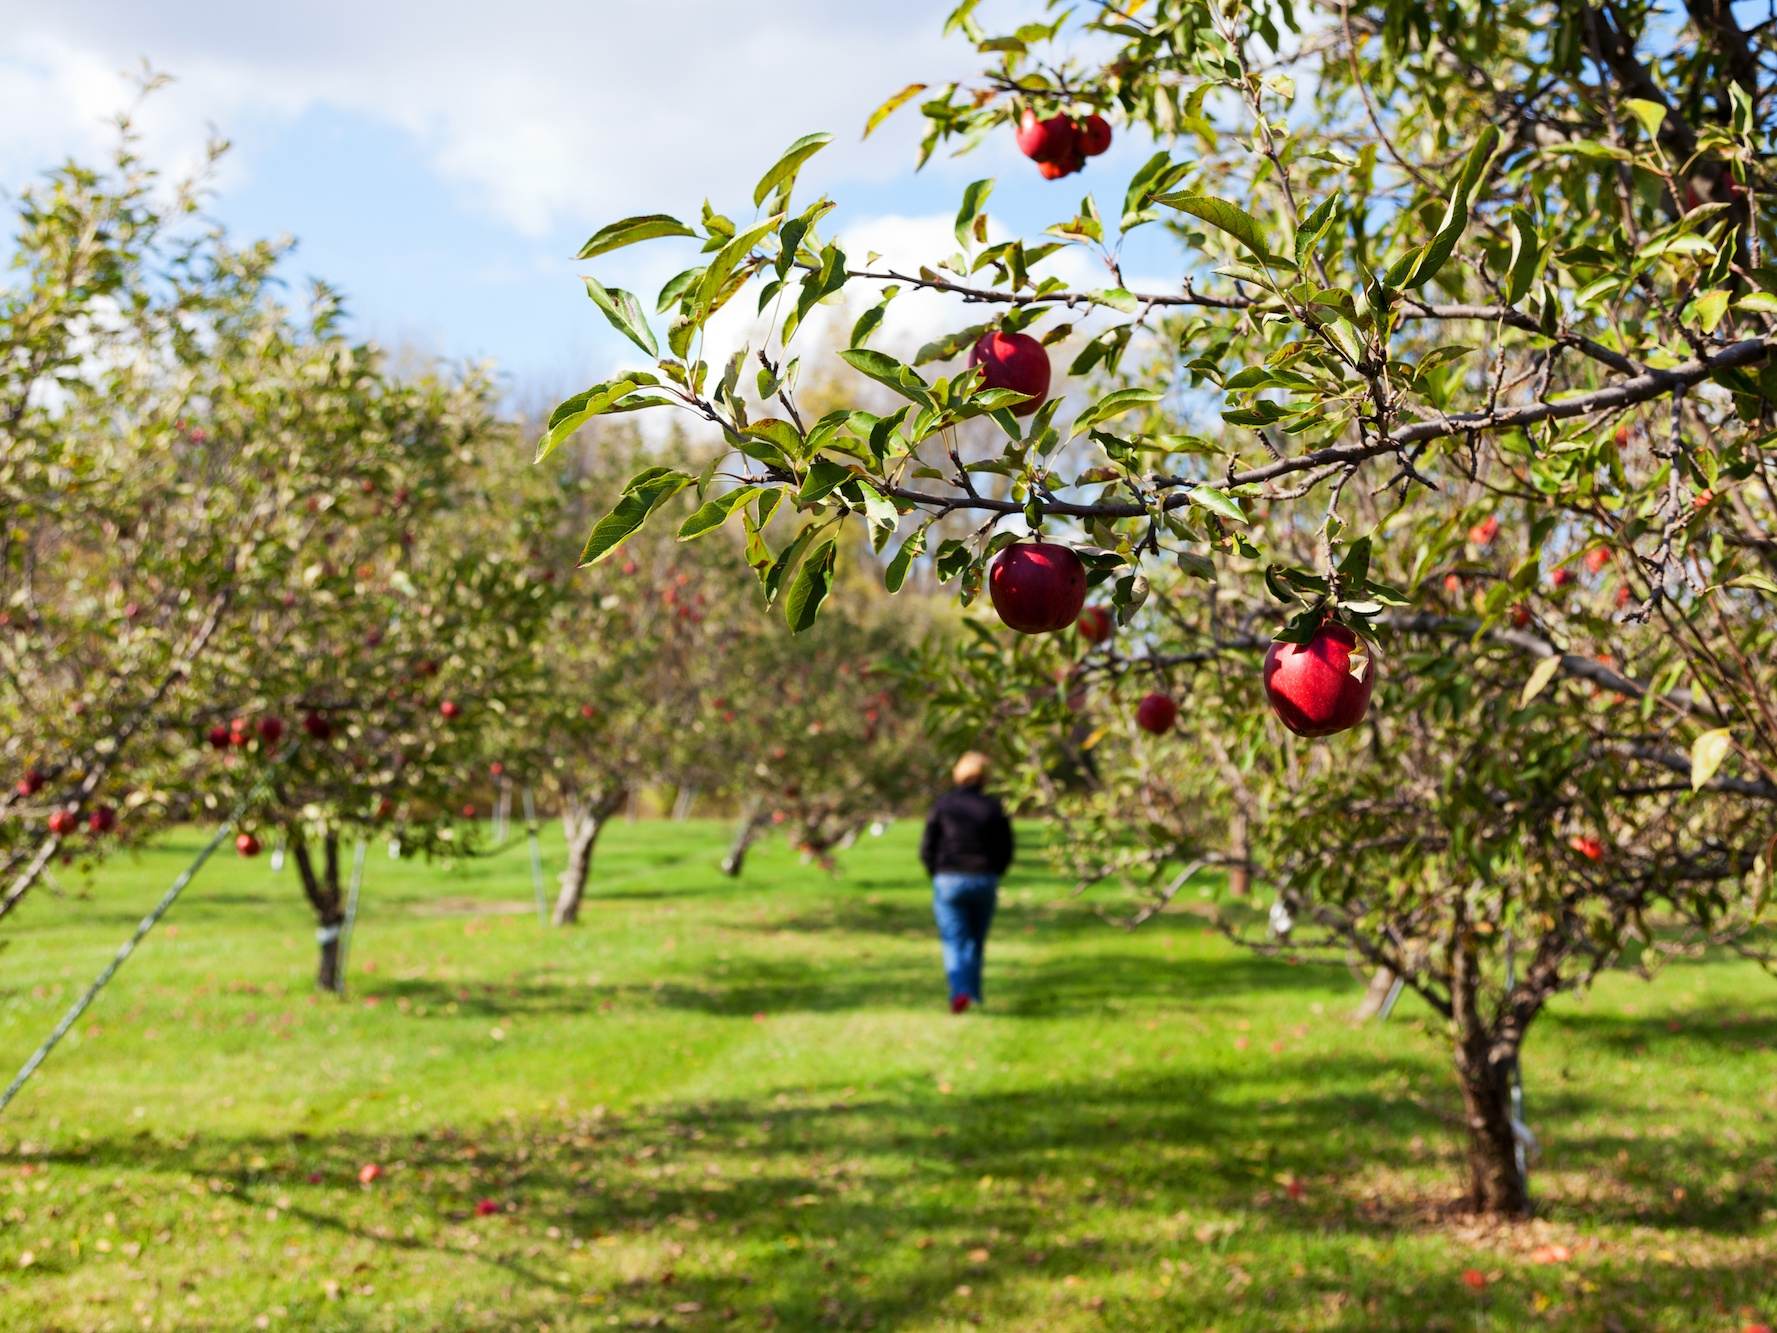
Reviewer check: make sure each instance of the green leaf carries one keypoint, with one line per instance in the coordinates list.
(1114, 405)
(884, 369)
(949, 345)
(823, 475)
(645, 493)
(624, 313)
(1707, 753)
(892, 105)
(584, 406)
(1526, 249)
(1707, 310)
(896, 573)
(1237, 222)
(783, 172)
(712, 514)
(1432, 258)
(973, 198)
(1540, 676)
(1217, 502)
(813, 581)
(1354, 569)
(627, 232)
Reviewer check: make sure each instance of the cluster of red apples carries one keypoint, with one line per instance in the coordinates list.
(1059, 144)
(1316, 688)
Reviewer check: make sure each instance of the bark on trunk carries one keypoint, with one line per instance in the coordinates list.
(1381, 983)
(582, 822)
(320, 885)
(1485, 1059)
(1240, 871)
(751, 821)
(1496, 1185)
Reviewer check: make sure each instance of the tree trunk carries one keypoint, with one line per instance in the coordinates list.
(752, 819)
(1240, 870)
(1381, 984)
(1496, 1184)
(1485, 1059)
(321, 887)
(582, 822)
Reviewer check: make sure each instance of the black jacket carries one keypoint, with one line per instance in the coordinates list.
(967, 833)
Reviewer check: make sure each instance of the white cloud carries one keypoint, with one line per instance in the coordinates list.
(544, 112)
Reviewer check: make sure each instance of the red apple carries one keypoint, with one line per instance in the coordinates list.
(588, 711)
(32, 782)
(369, 1173)
(247, 845)
(1587, 846)
(1095, 624)
(1520, 615)
(317, 726)
(486, 1208)
(384, 808)
(1013, 361)
(271, 729)
(1561, 578)
(1622, 436)
(1054, 139)
(218, 737)
(1094, 135)
(1701, 500)
(102, 820)
(1322, 686)
(496, 768)
(1037, 587)
(448, 709)
(1483, 533)
(1623, 594)
(240, 731)
(1155, 714)
(62, 823)
(1597, 558)
(468, 812)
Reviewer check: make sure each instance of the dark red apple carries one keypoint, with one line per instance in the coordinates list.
(247, 845)
(448, 709)
(1155, 714)
(102, 820)
(218, 737)
(1520, 615)
(1322, 686)
(1094, 135)
(1562, 577)
(486, 1208)
(1037, 587)
(317, 726)
(32, 782)
(1053, 139)
(1013, 361)
(1095, 624)
(62, 823)
(271, 729)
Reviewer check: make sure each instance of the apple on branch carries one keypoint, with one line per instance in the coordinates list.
(1037, 587)
(1323, 686)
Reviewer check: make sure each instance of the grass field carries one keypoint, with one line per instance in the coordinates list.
(719, 1104)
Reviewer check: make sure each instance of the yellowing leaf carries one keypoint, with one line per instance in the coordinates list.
(1540, 678)
(1707, 753)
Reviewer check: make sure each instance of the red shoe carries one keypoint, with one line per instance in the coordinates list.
(958, 1003)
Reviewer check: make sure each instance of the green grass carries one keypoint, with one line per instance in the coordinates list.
(743, 1105)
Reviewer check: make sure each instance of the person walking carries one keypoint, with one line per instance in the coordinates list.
(966, 849)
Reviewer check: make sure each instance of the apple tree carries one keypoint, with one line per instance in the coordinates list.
(1459, 384)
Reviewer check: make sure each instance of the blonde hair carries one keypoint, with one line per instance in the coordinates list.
(970, 770)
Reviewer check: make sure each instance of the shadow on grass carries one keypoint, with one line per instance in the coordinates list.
(819, 1207)
(1104, 981)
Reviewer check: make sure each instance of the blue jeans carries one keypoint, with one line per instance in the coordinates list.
(963, 905)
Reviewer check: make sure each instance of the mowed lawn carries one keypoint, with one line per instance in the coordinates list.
(743, 1104)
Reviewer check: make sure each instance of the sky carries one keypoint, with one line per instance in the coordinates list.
(441, 162)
